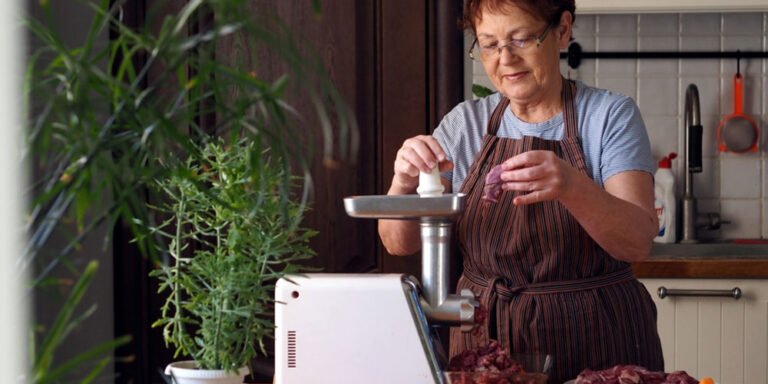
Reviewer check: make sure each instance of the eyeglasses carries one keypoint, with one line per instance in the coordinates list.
(493, 51)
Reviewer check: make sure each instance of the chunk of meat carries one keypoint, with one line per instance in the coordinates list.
(489, 358)
(492, 189)
(633, 374)
(489, 364)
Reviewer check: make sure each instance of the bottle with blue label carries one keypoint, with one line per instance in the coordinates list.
(665, 201)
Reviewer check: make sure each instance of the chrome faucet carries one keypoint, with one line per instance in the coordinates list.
(692, 219)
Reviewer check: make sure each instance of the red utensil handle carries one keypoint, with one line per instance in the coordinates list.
(738, 94)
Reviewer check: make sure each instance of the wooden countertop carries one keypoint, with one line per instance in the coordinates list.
(730, 259)
(693, 267)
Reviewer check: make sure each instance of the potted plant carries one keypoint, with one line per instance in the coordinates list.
(231, 231)
(110, 116)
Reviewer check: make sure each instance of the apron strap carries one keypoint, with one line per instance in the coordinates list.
(497, 116)
(493, 287)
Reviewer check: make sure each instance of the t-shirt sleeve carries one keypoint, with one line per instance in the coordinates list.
(625, 144)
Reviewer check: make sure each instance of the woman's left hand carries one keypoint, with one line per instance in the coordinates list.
(540, 173)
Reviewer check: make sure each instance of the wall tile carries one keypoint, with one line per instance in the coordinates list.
(744, 43)
(584, 26)
(616, 43)
(744, 217)
(742, 24)
(659, 95)
(691, 67)
(709, 144)
(623, 85)
(663, 133)
(617, 25)
(740, 178)
(578, 74)
(652, 24)
(764, 219)
(706, 185)
(765, 92)
(764, 193)
(762, 125)
(700, 24)
(657, 66)
(612, 67)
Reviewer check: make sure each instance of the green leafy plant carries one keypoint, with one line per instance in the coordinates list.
(43, 370)
(109, 117)
(481, 90)
(218, 296)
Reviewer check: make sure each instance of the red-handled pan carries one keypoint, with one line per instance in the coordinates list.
(737, 132)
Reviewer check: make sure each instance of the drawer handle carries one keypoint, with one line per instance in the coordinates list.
(732, 293)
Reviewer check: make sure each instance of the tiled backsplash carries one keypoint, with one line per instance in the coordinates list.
(735, 185)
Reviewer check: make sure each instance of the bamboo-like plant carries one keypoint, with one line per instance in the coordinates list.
(109, 120)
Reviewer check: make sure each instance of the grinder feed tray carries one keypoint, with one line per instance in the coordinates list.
(405, 206)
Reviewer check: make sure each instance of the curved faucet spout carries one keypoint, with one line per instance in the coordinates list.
(692, 114)
(693, 162)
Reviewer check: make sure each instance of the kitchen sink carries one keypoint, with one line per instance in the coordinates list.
(728, 249)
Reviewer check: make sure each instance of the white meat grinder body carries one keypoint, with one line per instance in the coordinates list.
(374, 328)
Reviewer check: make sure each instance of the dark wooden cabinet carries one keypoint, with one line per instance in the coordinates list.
(399, 66)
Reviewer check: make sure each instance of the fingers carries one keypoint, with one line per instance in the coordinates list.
(418, 154)
(541, 175)
(422, 152)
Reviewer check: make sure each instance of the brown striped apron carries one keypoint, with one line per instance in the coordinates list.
(547, 285)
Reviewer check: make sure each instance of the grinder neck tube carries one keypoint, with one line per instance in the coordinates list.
(435, 248)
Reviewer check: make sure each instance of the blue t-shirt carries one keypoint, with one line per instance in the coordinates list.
(611, 131)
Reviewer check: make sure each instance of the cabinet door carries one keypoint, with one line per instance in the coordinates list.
(723, 338)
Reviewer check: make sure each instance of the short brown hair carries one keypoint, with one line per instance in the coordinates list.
(548, 10)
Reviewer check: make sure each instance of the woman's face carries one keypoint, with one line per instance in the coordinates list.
(524, 75)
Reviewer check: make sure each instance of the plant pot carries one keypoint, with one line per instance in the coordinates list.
(186, 372)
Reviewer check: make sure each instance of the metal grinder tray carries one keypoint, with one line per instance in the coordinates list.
(405, 207)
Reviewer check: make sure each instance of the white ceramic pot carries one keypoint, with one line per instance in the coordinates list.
(186, 372)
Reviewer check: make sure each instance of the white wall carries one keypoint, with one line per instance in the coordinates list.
(14, 308)
(735, 185)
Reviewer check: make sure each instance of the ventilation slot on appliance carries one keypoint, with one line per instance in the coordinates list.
(291, 349)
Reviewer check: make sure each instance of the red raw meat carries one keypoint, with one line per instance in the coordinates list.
(492, 189)
(633, 374)
(489, 364)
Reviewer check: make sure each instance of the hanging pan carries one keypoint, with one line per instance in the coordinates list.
(737, 132)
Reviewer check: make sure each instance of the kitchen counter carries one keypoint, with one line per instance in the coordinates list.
(706, 260)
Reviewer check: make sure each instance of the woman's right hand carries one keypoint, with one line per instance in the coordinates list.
(418, 153)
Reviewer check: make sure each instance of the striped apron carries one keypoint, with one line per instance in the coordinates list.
(547, 285)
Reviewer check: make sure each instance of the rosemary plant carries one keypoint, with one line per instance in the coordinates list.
(218, 296)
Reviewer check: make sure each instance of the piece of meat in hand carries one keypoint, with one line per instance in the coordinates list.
(492, 190)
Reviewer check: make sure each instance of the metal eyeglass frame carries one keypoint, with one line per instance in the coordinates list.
(517, 43)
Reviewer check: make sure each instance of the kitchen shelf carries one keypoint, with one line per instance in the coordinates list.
(668, 6)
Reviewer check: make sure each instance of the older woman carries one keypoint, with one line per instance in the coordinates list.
(549, 259)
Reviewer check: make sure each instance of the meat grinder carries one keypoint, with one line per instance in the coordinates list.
(374, 328)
